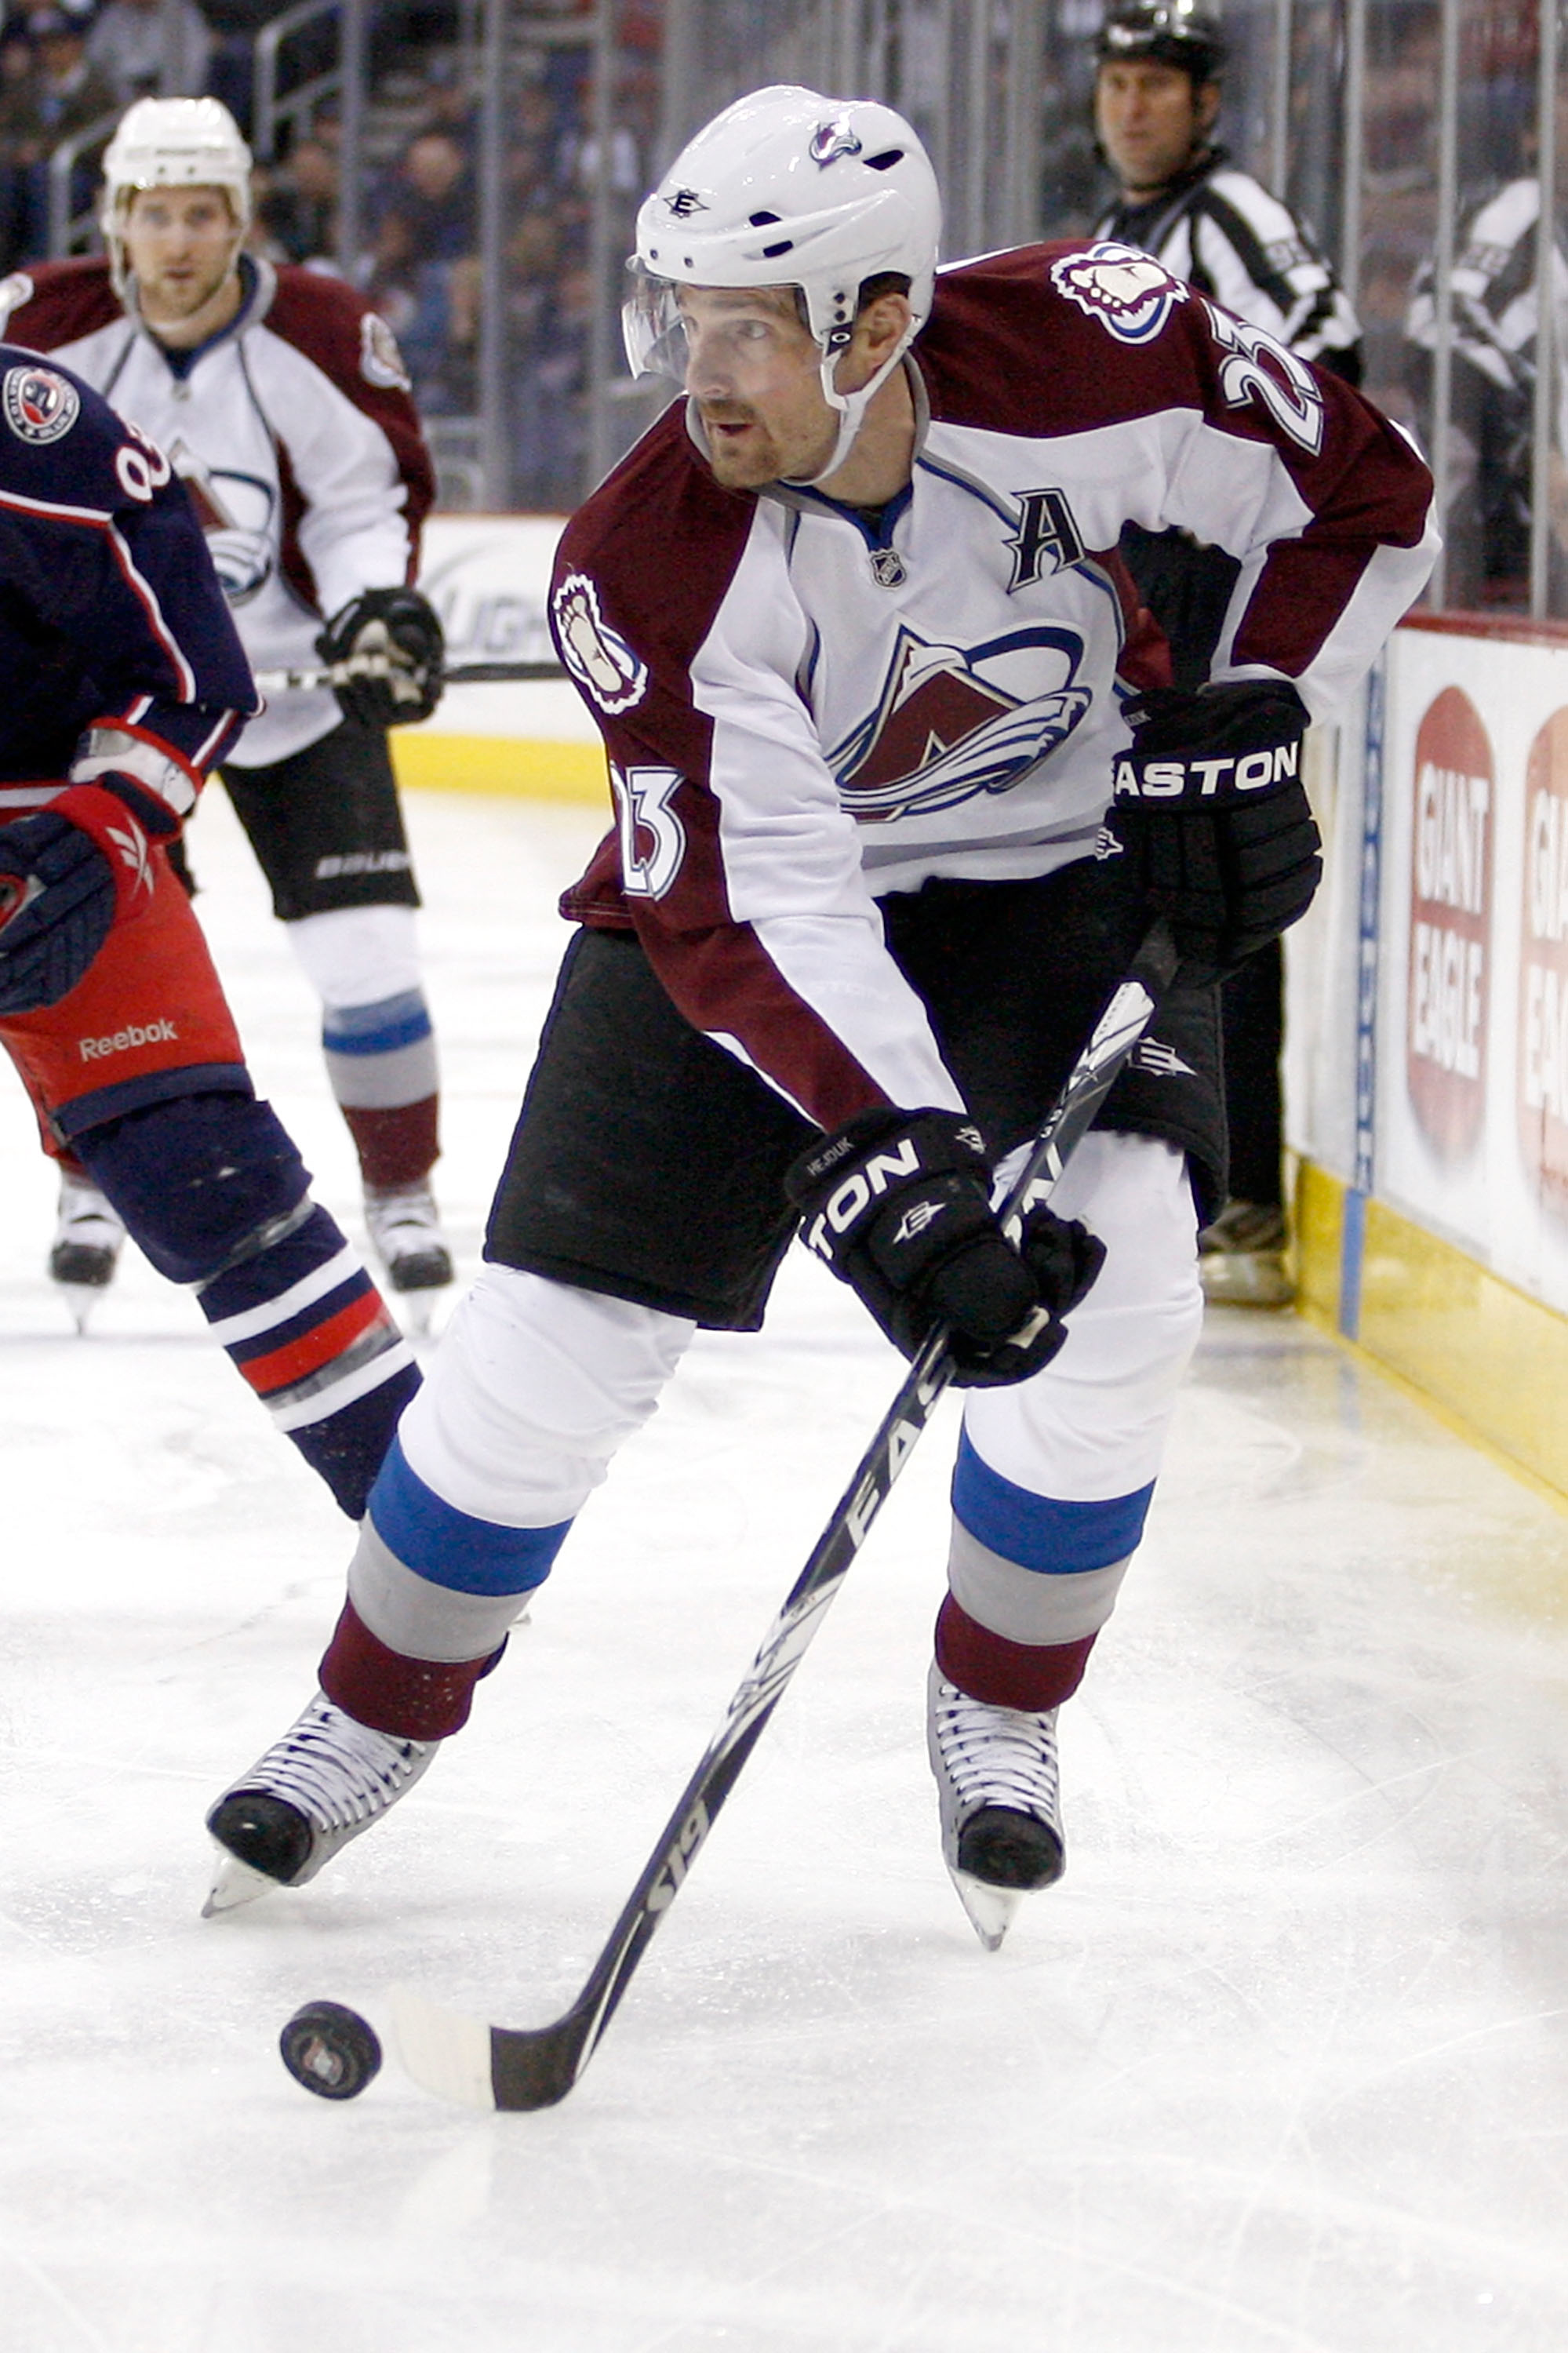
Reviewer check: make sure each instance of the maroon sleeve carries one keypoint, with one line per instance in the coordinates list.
(55, 302)
(355, 348)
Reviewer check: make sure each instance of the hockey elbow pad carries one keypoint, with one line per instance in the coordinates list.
(898, 1204)
(1209, 804)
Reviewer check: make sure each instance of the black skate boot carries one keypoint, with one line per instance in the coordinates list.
(999, 1789)
(326, 1782)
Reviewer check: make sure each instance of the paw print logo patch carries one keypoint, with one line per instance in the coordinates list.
(1130, 295)
(602, 662)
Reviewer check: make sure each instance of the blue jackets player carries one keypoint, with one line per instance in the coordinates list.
(121, 681)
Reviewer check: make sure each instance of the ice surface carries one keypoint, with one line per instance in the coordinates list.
(1278, 2068)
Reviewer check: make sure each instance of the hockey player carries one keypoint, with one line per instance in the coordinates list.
(121, 681)
(1159, 69)
(281, 401)
(861, 663)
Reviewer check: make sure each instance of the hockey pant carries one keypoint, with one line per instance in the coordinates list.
(538, 1384)
(138, 1073)
(376, 1037)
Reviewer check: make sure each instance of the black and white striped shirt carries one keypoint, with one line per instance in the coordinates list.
(1222, 230)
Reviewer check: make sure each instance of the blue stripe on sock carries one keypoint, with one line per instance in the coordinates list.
(449, 1548)
(381, 1029)
(1057, 1539)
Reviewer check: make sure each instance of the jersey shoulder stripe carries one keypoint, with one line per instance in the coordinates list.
(55, 302)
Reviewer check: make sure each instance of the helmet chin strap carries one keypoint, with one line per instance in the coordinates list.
(850, 407)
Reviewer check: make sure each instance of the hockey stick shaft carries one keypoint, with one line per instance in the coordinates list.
(491, 673)
(524, 2068)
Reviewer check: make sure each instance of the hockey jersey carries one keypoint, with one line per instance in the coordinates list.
(117, 650)
(295, 434)
(806, 706)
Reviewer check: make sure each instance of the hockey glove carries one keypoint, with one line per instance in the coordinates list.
(898, 1203)
(1209, 805)
(392, 642)
(68, 875)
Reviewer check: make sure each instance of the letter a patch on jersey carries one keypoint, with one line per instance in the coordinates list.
(1046, 535)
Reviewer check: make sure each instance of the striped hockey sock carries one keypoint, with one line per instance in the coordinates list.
(381, 1062)
(309, 1331)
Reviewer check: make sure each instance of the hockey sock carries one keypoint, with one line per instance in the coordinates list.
(414, 1698)
(217, 1196)
(381, 1060)
(1005, 1674)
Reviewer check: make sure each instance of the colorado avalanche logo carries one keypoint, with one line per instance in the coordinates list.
(833, 140)
(1130, 295)
(40, 404)
(946, 728)
(602, 663)
(235, 512)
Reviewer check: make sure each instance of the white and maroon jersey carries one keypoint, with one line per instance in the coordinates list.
(295, 434)
(805, 707)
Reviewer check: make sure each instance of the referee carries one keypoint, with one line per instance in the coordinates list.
(1157, 95)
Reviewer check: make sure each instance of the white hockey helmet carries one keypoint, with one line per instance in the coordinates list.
(174, 142)
(787, 187)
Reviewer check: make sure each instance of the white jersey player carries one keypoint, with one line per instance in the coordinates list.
(863, 667)
(280, 397)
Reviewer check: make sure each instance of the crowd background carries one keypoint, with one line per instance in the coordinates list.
(474, 165)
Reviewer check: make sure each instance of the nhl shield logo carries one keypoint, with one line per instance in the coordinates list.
(40, 404)
(1128, 293)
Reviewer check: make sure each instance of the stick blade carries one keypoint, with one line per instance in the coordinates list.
(474, 2065)
(445, 2052)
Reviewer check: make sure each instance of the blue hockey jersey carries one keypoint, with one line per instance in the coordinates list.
(116, 646)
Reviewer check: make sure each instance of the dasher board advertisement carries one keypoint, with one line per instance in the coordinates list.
(1473, 995)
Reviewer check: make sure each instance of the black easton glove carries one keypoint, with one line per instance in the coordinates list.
(393, 638)
(56, 909)
(898, 1203)
(1209, 802)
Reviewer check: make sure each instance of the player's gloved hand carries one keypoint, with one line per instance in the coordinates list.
(1209, 804)
(898, 1203)
(56, 909)
(394, 639)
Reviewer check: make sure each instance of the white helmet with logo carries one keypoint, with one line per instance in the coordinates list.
(174, 142)
(789, 188)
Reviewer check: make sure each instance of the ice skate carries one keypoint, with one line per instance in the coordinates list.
(326, 1782)
(1241, 1257)
(999, 1791)
(405, 1228)
(86, 1249)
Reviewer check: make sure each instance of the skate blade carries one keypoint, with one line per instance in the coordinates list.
(418, 1309)
(234, 1884)
(991, 1909)
(1245, 1278)
(80, 1298)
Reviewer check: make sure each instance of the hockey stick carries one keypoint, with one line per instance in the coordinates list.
(490, 673)
(460, 2058)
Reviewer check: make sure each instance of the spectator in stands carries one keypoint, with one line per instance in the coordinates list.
(297, 210)
(51, 93)
(433, 196)
(152, 49)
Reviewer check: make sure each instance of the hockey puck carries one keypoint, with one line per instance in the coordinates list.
(331, 2049)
